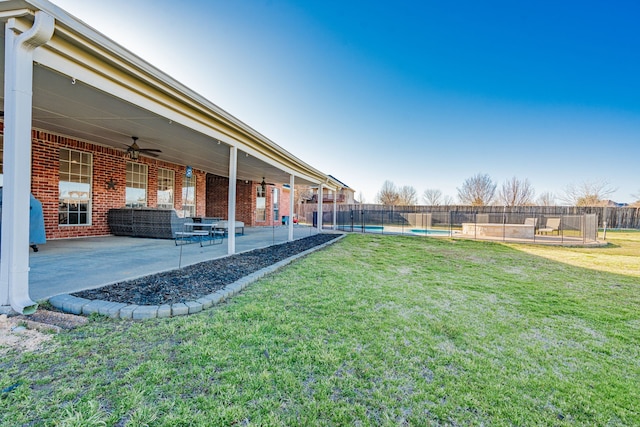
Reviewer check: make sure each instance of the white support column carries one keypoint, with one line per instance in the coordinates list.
(335, 209)
(231, 213)
(18, 92)
(292, 193)
(319, 221)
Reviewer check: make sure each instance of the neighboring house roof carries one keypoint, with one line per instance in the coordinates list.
(339, 182)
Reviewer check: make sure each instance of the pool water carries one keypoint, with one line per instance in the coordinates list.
(394, 229)
(431, 232)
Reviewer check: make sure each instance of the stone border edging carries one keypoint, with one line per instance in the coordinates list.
(77, 305)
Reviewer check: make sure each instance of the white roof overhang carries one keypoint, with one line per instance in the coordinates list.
(90, 88)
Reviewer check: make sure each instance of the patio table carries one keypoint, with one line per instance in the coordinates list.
(199, 232)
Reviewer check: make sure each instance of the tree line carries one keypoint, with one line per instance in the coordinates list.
(481, 190)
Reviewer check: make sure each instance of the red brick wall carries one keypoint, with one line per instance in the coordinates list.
(217, 199)
(285, 196)
(246, 193)
(283, 205)
(108, 164)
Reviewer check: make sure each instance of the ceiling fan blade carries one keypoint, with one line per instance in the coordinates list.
(148, 153)
(151, 149)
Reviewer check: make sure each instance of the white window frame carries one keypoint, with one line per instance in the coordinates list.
(137, 179)
(261, 204)
(189, 190)
(75, 191)
(166, 176)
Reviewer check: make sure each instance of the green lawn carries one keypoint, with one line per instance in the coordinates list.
(374, 330)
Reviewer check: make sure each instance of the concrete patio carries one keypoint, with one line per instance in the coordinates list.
(71, 265)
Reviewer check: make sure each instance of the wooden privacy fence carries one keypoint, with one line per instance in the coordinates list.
(615, 217)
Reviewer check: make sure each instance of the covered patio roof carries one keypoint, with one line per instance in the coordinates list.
(62, 76)
(87, 87)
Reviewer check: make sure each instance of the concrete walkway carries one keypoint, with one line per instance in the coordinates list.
(71, 265)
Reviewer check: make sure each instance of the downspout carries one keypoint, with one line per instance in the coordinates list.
(18, 102)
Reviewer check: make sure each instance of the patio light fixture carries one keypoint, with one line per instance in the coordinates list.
(134, 154)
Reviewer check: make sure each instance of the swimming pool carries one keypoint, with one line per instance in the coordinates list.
(394, 229)
(365, 228)
(431, 232)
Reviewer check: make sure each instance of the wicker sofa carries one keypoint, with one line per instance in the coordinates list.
(145, 222)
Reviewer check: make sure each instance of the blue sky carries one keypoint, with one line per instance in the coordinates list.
(421, 93)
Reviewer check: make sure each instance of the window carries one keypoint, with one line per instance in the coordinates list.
(136, 194)
(261, 204)
(276, 195)
(275, 202)
(189, 196)
(74, 188)
(166, 184)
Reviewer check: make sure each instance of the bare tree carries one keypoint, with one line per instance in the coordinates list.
(361, 199)
(407, 196)
(588, 193)
(302, 193)
(479, 190)
(432, 196)
(546, 199)
(448, 200)
(388, 194)
(515, 192)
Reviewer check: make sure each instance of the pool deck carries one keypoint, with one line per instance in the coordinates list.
(538, 239)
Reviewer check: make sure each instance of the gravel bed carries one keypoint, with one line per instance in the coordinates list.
(195, 281)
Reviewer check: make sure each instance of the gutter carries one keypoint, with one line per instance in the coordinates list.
(20, 44)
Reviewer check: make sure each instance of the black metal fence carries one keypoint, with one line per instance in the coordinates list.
(614, 217)
(487, 224)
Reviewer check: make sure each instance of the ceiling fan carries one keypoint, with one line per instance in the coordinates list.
(264, 184)
(134, 151)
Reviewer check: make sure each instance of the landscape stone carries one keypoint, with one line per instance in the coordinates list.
(179, 309)
(127, 311)
(74, 306)
(145, 312)
(164, 310)
(194, 307)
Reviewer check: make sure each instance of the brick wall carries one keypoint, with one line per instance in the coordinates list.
(108, 164)
(217, 199)
(246, 193)
(285, 196)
